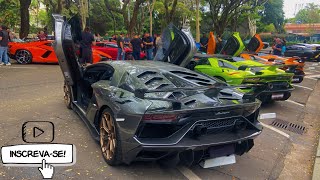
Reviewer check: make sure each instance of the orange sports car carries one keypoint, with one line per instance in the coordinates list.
(291, 64)
(42, 52)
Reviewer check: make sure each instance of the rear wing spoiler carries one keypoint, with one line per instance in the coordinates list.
(211, 91)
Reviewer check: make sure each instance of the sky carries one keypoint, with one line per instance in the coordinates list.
(290, 7)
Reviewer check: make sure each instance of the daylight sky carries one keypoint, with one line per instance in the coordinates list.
(290, 6)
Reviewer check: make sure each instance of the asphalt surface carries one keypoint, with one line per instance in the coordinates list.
(34, 93)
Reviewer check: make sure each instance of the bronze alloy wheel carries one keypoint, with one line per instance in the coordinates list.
(67, 95)
(108, 140)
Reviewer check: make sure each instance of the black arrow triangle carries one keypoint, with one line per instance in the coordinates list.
(37, 132)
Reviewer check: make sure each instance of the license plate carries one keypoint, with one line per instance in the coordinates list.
(295, 79)
(277, 96)
(218, 161)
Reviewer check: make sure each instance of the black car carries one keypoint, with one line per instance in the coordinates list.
(152, 110)
(302, 52)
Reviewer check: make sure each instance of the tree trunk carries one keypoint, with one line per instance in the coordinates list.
(197, 21)
(25, 18)
(252, 26)
(134, 17)
(151, 7)
(84, 12)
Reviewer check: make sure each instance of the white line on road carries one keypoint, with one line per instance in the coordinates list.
(293, 102)
(20, 67)
(188, 173)
(304, 87)
(307, 77)
(276, 130)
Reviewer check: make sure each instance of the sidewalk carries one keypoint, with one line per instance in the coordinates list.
(316, 168)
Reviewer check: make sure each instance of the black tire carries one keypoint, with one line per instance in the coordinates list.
(23, 56)
(67, 95)
(109, 138)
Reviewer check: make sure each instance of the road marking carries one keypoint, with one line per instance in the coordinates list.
(13, 67)
(311, 78)
(296, 85)
(308, 73)
(276, 130)
(314, 76)
(188, 173)
(267, 116)
(311, 68)
(314, 71)
(293, 102)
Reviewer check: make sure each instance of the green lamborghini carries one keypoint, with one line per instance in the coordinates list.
(237, 71)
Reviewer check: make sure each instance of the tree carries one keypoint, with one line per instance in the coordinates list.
(309, 14)
(223, 12)
(10, 12)
(197, 21)
(273, 13)
(150, 8)
(170, 8)
(24, 18)
(130, 22)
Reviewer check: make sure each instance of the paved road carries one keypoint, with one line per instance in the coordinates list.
(34, 92)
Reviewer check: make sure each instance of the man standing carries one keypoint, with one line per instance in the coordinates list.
(148, 43)
(4, 40)
(136, 45)
(277, 47)
(86, 43)
(121, 52)
(126, 40)
(204, 43)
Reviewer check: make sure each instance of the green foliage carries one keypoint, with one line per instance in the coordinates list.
(310, 14)
(273, 13)
(10, 13)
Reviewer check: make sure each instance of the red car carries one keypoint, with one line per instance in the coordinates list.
(42, 52)
(111, 48)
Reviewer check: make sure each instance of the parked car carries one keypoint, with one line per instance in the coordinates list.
(43, 52)
(289, 64)
(112, 49)
(303, 52)
(156, 111)
(237, 71)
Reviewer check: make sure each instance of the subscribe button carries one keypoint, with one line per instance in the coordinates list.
(33, 154)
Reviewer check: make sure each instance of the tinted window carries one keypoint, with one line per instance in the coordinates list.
(227, 65)
(231, 47)
(203, 61)
(100, 44)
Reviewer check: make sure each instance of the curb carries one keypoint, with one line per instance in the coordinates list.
(316, 167)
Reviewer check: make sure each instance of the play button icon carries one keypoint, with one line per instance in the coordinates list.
(38, 132)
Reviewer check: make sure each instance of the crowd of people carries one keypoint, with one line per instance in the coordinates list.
(146, 43)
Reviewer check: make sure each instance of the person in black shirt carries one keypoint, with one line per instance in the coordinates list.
(86, 43)
(121, 52)
(148, 44)
(204, 43)
(4, 41)
(136, 45)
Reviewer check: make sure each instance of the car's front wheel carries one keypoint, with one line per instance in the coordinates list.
(109, 139)
(23, 57)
